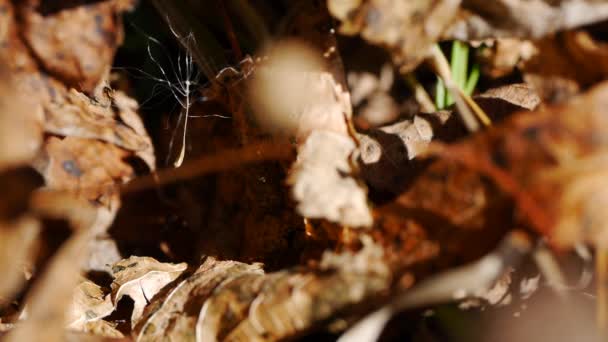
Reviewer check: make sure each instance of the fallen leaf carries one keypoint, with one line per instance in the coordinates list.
(565, 64)
(174, 315)
(90, 304)
(408, 29)
(523, 18)
(322, 184)
(87, 167)
(551, 162)
(141, 278)
(75, 44)
(518, 94)
(76, 115)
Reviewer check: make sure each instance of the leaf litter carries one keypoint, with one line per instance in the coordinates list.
(252, 235)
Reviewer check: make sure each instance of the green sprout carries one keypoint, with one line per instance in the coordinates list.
(465, 80)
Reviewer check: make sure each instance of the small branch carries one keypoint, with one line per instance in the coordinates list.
(456, 284)
(221, 161)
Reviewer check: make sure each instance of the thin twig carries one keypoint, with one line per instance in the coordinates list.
(220, 161)
(456, 284)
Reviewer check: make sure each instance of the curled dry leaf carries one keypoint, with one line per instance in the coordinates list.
(552, 161)
(89, 305)
(174, 315)
(290, 303)
(523, 18)
(78, 116)
(520, 95)
(322, 184)
(564, 64)
(295, 96)
(141, 278)
(408, 29)
(231, 301)
(88, 167)
(503, 55)
(74, 43)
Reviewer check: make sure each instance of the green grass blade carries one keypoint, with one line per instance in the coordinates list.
(472, 81)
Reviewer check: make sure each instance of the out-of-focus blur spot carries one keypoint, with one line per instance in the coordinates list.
(292, 95)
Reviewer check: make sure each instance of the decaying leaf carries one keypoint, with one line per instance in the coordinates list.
(408, 29)
(174, 315)
(321, 182)
(87, 167)
(50, 297)
(90, 304)
(78, 116)
(503, 55)
(565, 64)
(141, 278)
(552, 162)
(519, 95)
(74, 43)
(297, 98)
(524, 18)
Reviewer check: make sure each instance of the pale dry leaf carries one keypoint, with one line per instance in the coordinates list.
(322, 183)
(174, 316)
(293, 302)
(99, 330)
(74, 43)
(141, 278)
(564, 64)
(518, 94)
(87, 167)
(523, 18)
(79, 116)
(408, 29)
(229, 306)
(503, 55)
(90, 304)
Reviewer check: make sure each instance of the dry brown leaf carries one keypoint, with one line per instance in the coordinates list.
(229, 306)
(141, 278)
(503, 55)
(290, 303)
(552, 162)
(174, 316)
(99, 330)
(518, 94)
(78, 116)
(75, 44)
(564, 64)
(408, 29)
(89, 305)
(322, 184)
(87, 167)
(524, 18)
